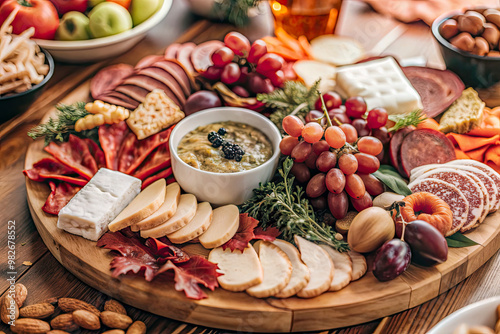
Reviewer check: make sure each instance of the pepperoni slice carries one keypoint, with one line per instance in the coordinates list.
(60, 195)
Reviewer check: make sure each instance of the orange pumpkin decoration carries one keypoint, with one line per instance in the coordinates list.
(430, 208)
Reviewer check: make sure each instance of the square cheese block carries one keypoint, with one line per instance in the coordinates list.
(381, 83)
(90, 211)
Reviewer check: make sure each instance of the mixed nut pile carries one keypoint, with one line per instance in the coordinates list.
(76, 314)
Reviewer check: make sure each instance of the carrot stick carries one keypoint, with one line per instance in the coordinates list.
(306, 47)
(284, 52)
(269, 40)
(289, 41)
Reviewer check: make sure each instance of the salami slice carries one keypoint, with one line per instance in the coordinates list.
(108, 79)
(458, 203)
(467, 186)
(150, 84)
(166, 78)
(486, 169)
(178, 72)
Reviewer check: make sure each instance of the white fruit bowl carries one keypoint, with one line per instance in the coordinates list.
(223, 188)
(92, 50)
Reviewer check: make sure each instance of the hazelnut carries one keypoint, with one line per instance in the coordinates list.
(471, 22)
(493, 16)
(464, 41)
(481, 47)
(449, 28)
(491, 34)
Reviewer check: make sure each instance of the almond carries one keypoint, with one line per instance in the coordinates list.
(21, 294)
(38, 311)
(72, 304)
(64, 322)
(30, 326)
(138, 327)
(114, 331)
(115, 320)
(57, 331)
(114, 306)
(8, 309)
(86, 319)
(51, 300)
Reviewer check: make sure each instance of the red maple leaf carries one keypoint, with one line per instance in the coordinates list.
(125, 264)
(247, 231)
(189, 275)
(166, 251)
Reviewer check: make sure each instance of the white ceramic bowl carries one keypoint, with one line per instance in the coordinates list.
(477, 314)
(223, 188)
(92, 50)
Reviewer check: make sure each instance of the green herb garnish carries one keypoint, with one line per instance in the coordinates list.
(389, 176)
(294, 98)
(234, 11)
(63, 124)
(458, 240)
(413, 118)
(281, 204)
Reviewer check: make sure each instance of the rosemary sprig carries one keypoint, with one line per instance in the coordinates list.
(284, 205)
(294, 98)
(413, 118)
(59, 128)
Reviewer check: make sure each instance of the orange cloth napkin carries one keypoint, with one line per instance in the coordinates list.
(483, 143)
(425, 10)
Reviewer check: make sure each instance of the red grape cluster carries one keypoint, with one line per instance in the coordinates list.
(336, 161)
(246, 68)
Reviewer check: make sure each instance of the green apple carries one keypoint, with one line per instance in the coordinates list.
(141, 10)
(74, 26)
(109, 18)
(93, 3)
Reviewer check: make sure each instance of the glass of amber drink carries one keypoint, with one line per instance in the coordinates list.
(310, 18)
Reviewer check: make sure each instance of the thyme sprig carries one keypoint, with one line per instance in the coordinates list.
(413, 118)
(281, 204)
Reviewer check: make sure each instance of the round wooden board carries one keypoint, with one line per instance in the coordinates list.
(361, 301)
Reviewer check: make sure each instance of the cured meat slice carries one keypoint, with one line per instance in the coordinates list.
(108, 79)
(96, 152)
(171, 51)
(201, 55)
(167, 79)
(124, 98)
(157, 160)
(484, 168)
(147, 61)
(60, 195)
(50, 168)
(111, 138)
(395, 146)
(184, 55)
(75, 154)
(136, 93)
(118, 101)
(458, 203)
(178, 72)
(423, 147)
(150, 84)
(160, 175)
(467, 186)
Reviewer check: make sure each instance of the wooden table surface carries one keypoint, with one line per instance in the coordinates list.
(45, 277)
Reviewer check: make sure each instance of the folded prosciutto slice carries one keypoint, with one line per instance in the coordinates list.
(51, 169)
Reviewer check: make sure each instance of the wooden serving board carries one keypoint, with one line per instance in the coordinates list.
(361, 301)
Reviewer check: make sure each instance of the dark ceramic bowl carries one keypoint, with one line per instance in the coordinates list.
(16, 104)
(475, 71)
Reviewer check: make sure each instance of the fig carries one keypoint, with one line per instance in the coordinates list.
(391, 260)
(427, 244)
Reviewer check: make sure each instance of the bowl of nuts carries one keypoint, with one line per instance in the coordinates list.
(469, 43)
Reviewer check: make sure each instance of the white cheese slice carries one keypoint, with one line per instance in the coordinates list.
(320, 267)
(343, 268)
(381, 83)
(183, 215)
(90, 211)
(196, 227)
(359, 265)
(300, 273)
(241, 270)
(225, 222)
(147, 202)
(277, 270)
(165, 212)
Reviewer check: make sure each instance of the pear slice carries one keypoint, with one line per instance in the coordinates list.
(320, 267)
(241, 270)
(195, 227)
(277, 270)
(225, 222)
(165, 212)
(300, 273)
(359, 265)
(142, 206)
(183, 215)
(343, 268)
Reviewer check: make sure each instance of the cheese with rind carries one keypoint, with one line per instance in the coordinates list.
(199, 224)
(142, 206)
(90, 211)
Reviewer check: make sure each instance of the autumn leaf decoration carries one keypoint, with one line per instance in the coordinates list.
(157, 257)
(248, 231)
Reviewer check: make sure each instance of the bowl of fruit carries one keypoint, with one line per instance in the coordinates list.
(82, 31)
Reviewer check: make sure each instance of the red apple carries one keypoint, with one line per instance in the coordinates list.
(64, 6)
